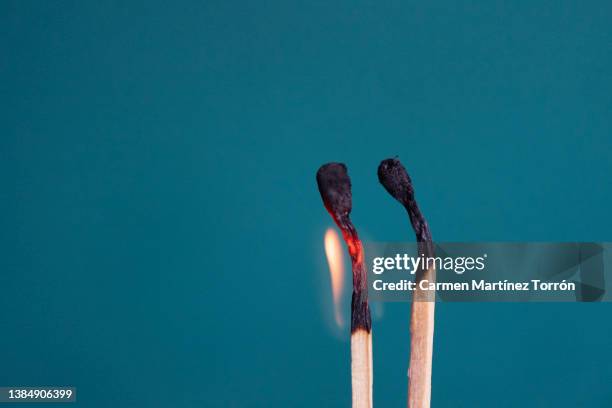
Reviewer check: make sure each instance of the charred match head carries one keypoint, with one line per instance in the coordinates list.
(394, 177)
(335, 188)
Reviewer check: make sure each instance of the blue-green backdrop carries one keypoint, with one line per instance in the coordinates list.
(161, 230)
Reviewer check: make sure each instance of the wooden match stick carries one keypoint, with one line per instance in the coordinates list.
(335, 188)
(393, 176)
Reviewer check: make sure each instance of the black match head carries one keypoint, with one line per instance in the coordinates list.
(335, 188)
(394, 177)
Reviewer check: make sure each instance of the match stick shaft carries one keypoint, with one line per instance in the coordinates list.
(361, 369)
(335, 188)
(361, 326)
(421, 345)
(394, 177)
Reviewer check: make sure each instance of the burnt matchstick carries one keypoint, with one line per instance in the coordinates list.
(335, 188)
(393, 176)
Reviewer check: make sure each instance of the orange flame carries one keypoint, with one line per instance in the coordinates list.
(335, 260)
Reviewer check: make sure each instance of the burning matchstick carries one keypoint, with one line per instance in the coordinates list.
(393, 176)
(335, 188)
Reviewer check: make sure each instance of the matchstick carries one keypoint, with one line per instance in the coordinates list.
(335, 188)
(393, 176)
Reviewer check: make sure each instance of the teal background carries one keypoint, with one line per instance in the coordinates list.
(162, 232)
